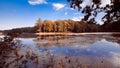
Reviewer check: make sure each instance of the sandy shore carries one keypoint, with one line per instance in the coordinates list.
(77, 33)
(68, 34)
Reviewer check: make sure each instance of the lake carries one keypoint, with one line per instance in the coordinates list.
(80, 51)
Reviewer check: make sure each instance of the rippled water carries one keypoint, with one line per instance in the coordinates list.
(83, 51)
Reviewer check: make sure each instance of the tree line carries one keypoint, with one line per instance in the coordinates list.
(67, 26)
(75, 26)
(88, 24)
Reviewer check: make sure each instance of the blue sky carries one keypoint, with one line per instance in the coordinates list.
(24, 13)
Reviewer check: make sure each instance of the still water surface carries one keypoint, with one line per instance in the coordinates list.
(83, 51)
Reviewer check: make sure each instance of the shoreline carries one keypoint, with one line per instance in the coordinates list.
(63, 33)
(29, 35)
(85, 33)
(77, 33)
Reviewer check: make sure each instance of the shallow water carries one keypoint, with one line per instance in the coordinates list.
(83, 51)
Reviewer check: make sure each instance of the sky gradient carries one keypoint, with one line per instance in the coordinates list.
(24, 13)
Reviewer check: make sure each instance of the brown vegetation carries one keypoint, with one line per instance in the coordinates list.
(66, 26)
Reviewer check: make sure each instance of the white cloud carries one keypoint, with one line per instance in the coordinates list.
(58, 6)
(36, 2)
(86, 2)
(77, 18)
(71, 8)
(89, 2)
(105, 2)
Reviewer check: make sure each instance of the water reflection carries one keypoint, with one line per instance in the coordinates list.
(84, 51)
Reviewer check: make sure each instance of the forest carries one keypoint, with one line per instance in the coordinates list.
(111, 20)
(67, 26)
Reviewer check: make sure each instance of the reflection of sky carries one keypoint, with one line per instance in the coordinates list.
(115, 59)
(96, 47)
(101, 48)
(27, 41)
(80, 46)
(1, 36)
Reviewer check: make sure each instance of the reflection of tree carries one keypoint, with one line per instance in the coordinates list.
(82, 41)
(29, 56)
(49, 40)
(114, 38)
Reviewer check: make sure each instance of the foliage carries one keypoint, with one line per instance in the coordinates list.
(66, 26)
(18, 31)
(48, 26)
(112, 10)
(38, 25)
